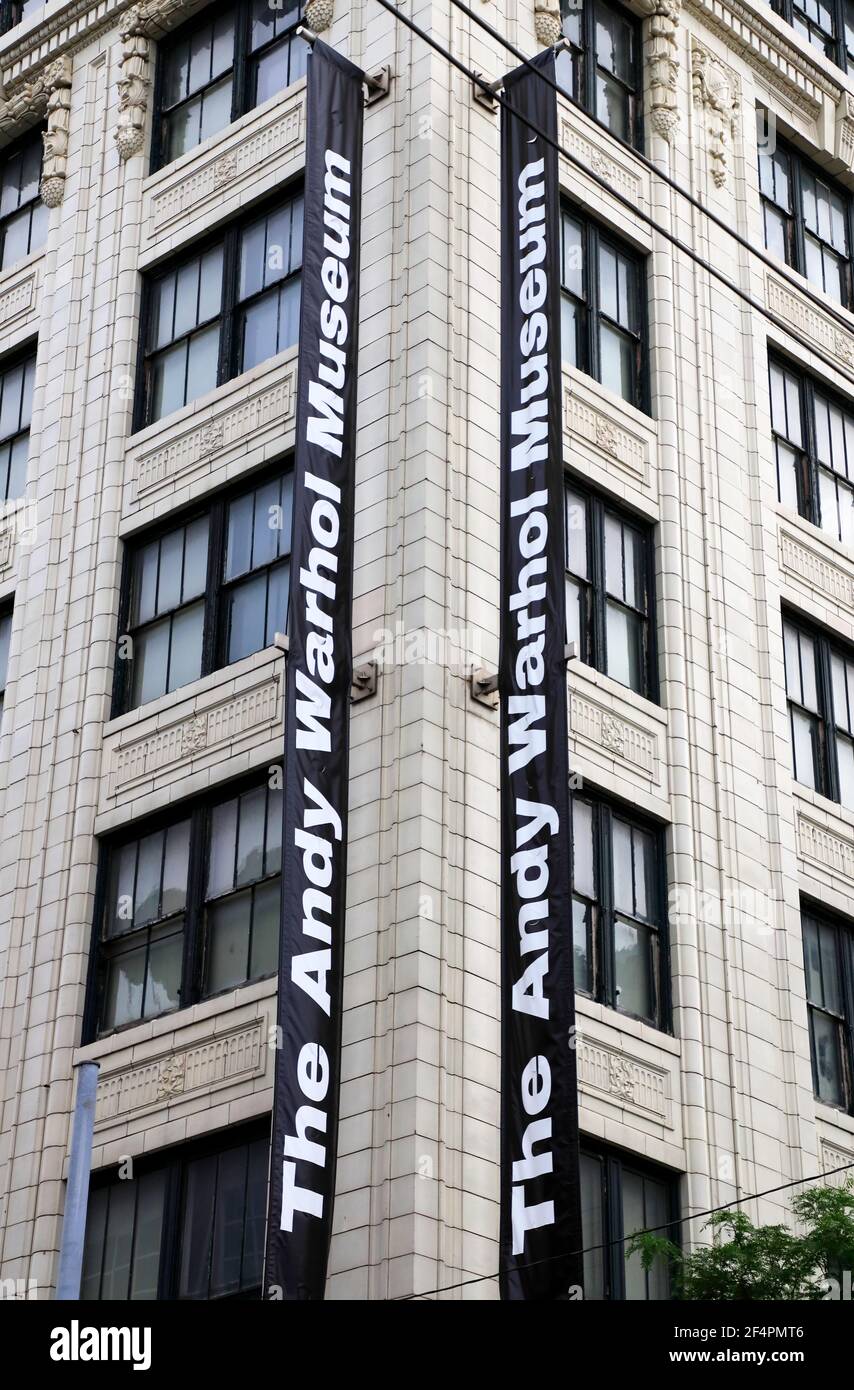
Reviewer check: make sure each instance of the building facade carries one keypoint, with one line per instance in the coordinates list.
(149, 293)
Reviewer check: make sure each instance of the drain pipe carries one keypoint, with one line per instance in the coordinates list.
(77, 1192)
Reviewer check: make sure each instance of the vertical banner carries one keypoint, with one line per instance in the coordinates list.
(320, 662)
(540, 1200)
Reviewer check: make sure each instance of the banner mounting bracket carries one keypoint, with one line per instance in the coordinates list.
(484, 687)
(377, 85)
(486, 93)
(365, 681)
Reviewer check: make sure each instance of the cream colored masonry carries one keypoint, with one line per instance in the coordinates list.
(727, 1099)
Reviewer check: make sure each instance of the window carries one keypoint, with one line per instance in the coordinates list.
(221, 65)
(827, 24)
(188, 1225)
(14, 12)
(620, 1196)
(205, 326)
(602, 309)
(609, 589)
(205, 592)
(601, 68)
(5, 639)
(618, 916)
(16, 406)
(807, 219)
(820, 692)
(829, 967)
(814, 449)
(23, 215)
(188, 906)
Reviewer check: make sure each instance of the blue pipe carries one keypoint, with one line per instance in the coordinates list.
(77, 1191)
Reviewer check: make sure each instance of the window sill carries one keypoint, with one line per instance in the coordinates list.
(257, 153)
(246, 422)
(835, 1119)
(614, 444)
(209, 732)
(817, 570)
(618, 740)
(20, 300)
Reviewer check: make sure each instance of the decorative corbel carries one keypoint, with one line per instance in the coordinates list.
(663, 64)
(29, 101)
(715, 91)
(318, 15)
(547, 25)
(55, 164)
(142, 22)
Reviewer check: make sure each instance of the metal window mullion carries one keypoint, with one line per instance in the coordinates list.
(588, 56)
(227, 365)
(846, 948)
(616, 1234)
(596, 563)
(796, 216)
(606, 897)
(240, 99)
(212, 653)
(830, 771)
(192, 960)
(593, 300)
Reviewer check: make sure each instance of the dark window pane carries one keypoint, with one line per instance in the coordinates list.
(93, 1249)
(278, 594)
(163, 976)
(147, 1236)
(583, 965)
(583, 877)
(621, 851)
(592, 1227)
(633, 964)
(250, 839)
(222, 848)
(624, 638)
(228, 1223)
(197, 1228)
(228, 941)
(828, 1059)
(186, 657)
(149, 868)
(123, 989)
(150, 663)
(115, 1283)
(175, 868)
(265, 930)
(247, 618)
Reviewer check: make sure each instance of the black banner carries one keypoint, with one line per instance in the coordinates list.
(320, 667)
(540, 1207)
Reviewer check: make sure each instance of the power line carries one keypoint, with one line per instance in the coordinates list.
(782, 271)
(606, 1244)
(480, 81)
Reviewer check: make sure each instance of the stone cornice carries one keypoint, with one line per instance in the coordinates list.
(65, 27)
(760, 44)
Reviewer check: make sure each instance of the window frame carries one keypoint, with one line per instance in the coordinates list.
(810, 466)
(215, 596)
(800, 164)
(843, 928)
(840, 57)
(826, 644)
(601, 950)
(175, 1161)
(613, 1161)
(31, 137)
(198, 810)
(589, 67)
(231, 305)
(595, 653)
(20, 357)
(593, 234)
(243, 58)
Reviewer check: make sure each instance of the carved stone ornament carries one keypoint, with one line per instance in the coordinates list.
(318, 15)
(547, 25)
(142, 22)
(715, 91)
(662, 64)
(55, 165)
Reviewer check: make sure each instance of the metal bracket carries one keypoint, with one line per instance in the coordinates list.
(282, 641)
(486, 94)
(365, 681)
(571, 652)
(303, 32)
(484, 688)
(378, 85)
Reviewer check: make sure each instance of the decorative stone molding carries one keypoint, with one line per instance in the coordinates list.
(547, 25)
(47, 94)
(583, 421)
(318, 14)
(845, 129)
(761, 45)
(184, 190)
(834, 1156)
(621, 179)
(136, 759)
(625, 1079)
(55, 165)
(18, 299)
(796, 311)
(802, 561)
(715, 91)
(208, 1065)
(143, 21)
(174, 454)
(613, 734)
(662, 64)
(825, 848)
